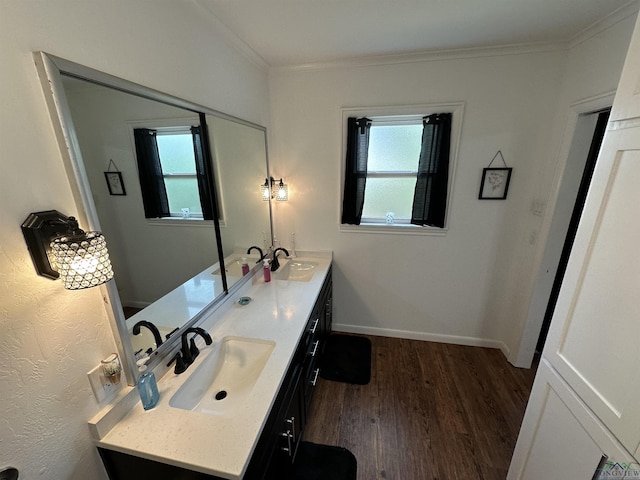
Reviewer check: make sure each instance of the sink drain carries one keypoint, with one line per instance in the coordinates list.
(221, 395)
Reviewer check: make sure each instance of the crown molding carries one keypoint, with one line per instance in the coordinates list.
(601, 25)
(605, 23)
(429, 56)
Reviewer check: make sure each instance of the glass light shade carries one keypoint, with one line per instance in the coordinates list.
(82, 260)
(265, 191)
(281, 191)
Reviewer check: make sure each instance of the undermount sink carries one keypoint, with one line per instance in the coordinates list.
(297, 271)
(225, 378)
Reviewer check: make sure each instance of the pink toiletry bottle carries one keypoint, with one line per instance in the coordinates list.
(245, 266)
(266, 271)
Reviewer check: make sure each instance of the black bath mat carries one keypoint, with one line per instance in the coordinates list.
(322, 462)
(347, 359)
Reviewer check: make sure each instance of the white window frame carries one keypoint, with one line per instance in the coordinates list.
(395, 115)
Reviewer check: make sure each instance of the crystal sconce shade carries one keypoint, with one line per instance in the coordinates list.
(265, 190)
(82, 262)
(281, 191)
(274, 189)
(60, 249)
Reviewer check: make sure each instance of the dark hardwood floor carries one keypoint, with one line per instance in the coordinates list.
(431, 411)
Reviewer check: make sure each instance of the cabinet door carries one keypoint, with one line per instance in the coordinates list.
(560, 438)
(594, 336)
(627, 101)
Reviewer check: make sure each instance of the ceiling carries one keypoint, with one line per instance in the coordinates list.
(299, 32)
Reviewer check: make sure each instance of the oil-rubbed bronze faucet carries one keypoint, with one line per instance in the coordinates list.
(189, 351)
(156, 333)
(259, 251)
(274, 263)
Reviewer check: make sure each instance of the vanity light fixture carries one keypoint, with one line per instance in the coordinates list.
(272, 188)
(60, 249)
(281, 191)
(265, 190)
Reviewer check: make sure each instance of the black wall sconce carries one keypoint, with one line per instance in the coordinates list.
(60, 249)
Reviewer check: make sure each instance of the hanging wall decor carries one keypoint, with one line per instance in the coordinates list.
(495, 181)
(114, 180)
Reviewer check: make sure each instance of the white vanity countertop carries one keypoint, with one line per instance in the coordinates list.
(185, 301)
(223, 445)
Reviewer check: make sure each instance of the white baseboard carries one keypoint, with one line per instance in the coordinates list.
(427, 337)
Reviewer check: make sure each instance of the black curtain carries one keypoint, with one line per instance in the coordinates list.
(201, 172)
(154, 193)
(430, 197)
(355, 177)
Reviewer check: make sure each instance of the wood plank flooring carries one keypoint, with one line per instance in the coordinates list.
(431, 411)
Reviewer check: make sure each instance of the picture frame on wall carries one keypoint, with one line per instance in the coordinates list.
(495, 183)
(115, 183)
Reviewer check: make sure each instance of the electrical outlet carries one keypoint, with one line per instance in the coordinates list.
(102, 388)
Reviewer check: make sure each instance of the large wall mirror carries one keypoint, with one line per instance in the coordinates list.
(171, 267)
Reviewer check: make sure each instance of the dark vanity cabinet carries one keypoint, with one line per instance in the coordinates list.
(318, 329)
(277, 446)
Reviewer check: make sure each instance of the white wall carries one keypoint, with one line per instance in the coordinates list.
(52, 337)
(422, 286)
(593, 68)
(473, 285)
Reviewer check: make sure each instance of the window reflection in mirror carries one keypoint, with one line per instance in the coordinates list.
(163, 266)
(94, 120)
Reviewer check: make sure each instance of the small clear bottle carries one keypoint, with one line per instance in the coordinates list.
(245, 266)
(266, 270)
(147, 386)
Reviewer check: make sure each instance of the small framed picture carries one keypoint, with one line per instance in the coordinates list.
(495, 183)
(115, 183)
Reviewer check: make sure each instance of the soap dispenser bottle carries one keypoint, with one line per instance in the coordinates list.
(147, 386)
(245, 266)
(266, 270)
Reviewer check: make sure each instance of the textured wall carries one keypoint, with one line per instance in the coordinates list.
(51, 337)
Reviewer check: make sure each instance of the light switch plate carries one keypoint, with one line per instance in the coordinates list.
(537, 207)
(102, 388)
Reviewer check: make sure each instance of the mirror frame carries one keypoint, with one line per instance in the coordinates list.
(50, 70)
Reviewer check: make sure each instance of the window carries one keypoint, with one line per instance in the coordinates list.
(173, 173)
(392, 169)
(398, 167)
(178, 164)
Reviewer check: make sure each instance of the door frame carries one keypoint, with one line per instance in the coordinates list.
(523, 355)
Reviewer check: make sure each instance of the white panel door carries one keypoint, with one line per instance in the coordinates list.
(594, 340)
(561, 438)
(561, 446)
